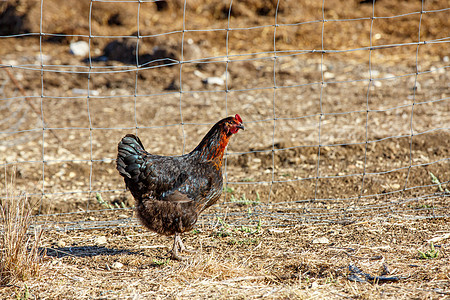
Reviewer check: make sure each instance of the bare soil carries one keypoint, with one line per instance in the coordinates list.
(337, 145)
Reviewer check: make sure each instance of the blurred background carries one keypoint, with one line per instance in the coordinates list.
(345, 103)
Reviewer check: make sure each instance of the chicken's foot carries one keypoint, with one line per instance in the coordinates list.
(179, 246)
(175, 255)
(183, 248)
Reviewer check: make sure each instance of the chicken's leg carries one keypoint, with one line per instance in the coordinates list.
(174, 251)
(178, 245)
(183, 248)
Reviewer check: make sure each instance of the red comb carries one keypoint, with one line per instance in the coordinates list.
(238, 118)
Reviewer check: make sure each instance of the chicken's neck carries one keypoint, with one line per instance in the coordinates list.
(212, 147)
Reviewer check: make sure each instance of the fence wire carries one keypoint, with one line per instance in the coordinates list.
(326, 140)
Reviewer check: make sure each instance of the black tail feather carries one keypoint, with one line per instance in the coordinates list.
(130, 156)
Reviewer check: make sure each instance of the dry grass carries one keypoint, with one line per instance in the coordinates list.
(273, 263)
(19, 251)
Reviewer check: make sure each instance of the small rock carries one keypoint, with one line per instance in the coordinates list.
(199, 74)
(328, 75)
(377, 83)
(214, 81)
(321, 240)
(218, 80)
(61, 244)
(101, 240)
(446, 59)
(85, 92)
(80, 48)
(395, 186)
(117, 265)
(123, 216)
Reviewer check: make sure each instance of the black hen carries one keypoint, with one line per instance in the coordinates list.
(171, 191)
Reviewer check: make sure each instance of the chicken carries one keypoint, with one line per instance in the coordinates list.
(171, 191)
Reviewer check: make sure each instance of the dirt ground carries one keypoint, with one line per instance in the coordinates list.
(332, 170)
(235, 263)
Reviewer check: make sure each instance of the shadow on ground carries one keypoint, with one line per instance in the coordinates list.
(86, 251)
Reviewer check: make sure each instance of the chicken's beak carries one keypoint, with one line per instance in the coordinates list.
(240, 126)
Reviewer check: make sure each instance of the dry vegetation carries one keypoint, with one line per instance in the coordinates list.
(240, 262)
(20, 252)
(268, 238)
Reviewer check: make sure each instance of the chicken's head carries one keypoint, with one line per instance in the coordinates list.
(233, 124)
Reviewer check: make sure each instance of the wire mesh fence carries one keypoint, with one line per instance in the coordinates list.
(346, 105)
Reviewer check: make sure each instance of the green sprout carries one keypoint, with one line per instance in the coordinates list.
(435, 180)
(102, 202)
(228, 190)
(106, 204)
(243, 200)
(429, 254)
(160, 262)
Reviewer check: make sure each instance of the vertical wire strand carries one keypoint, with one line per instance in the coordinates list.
(366, 135)
(320, 104)
(227, 58)
(274, 116)
(137, 68)
(226, 94)
(91, 161)
(41, 57)
(181, 82)
(411, 121)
